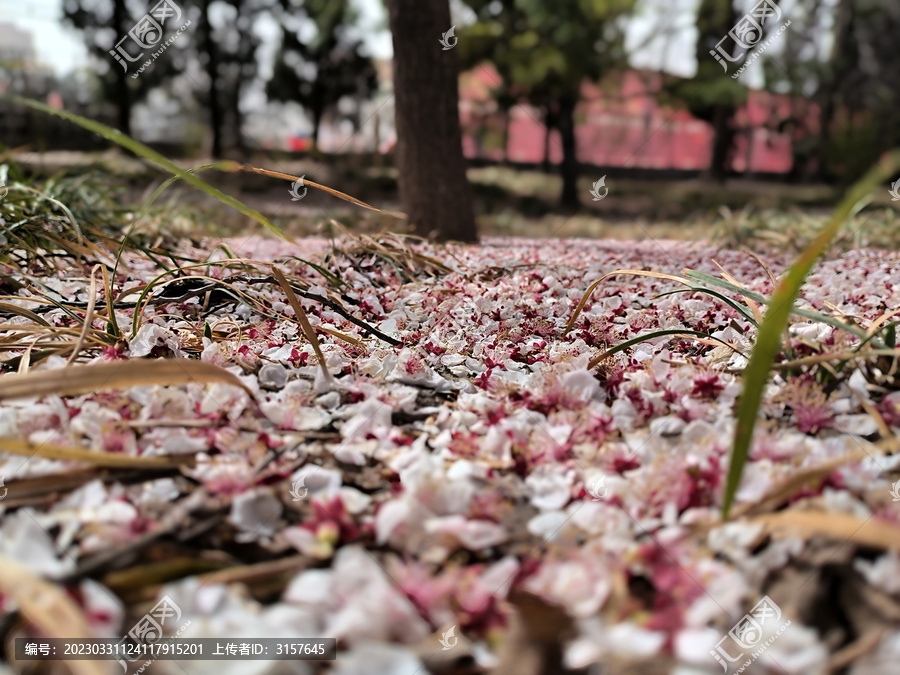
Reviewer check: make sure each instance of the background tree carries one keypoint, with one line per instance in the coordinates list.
(859, 96)
(434, 190)
(711, 95)
(227, 48)
(546, 51)
(845, 99)
(103, 23)
(319, 72)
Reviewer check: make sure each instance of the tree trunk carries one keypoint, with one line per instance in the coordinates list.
(212, 70)
(122, 93)
(434, 190)
(843, 30)
(550, 122)
(317, 125)
(569, 167)
(723, 137)
(506, 121)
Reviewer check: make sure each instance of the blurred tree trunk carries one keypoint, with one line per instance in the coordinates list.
(434, 190)
(723, 139)
(506, 120)
(317, 126)
(839, 67)
(123, 94)
(212, 71)
(550, 122)
(569, 169)
(723, 113)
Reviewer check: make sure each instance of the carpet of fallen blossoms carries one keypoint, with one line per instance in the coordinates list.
(477, 485)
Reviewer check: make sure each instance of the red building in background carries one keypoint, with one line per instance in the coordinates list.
(624, 128)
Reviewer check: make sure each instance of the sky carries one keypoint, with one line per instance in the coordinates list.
(61, 48)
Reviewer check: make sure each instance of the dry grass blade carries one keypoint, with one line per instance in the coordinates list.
(841, 527)
(97, 458)
(880, 321)
(835, 356)
(88, 317)
(245, 573)
(150, 155)
(750, 303)
(782, 492)
(309, 183)
(843, 657)
(88, 379)
(160, 572)
(21, 311)
(302, 318)
(50, 609)
(762, 263)
(343, 336)
(678, 332)
(593, 286)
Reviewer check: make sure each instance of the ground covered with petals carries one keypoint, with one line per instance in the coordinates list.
(461, 493)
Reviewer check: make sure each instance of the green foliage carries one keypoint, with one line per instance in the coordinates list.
(62, 217)
(710, 87)
(546, 50)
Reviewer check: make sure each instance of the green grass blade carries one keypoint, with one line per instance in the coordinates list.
(768, 340)
(150, 155)
(649, 336)
(805, 313)
(739, 308)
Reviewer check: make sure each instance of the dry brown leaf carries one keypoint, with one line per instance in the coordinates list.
(838, 526)
(114, 375)
(50, 609)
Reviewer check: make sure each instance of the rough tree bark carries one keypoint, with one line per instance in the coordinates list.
(434, 190)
